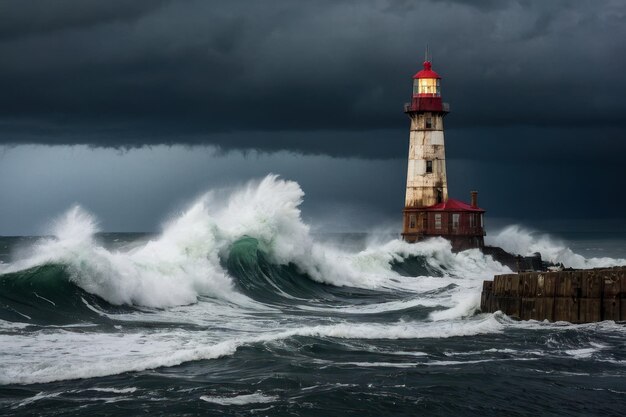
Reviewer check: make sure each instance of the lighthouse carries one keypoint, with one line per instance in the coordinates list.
(428, 211)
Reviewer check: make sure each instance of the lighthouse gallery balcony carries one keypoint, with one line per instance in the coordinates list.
(427, 104)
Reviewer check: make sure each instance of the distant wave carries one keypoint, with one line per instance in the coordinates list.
(523, 241)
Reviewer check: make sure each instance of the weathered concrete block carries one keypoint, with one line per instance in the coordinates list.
(528, 309)
(501, 283)
(574, 296)
(568, 283)
(544, 309)
(529, 285)
(591, 284)
(541, 285)
(508, 305)
(612, 283)
(566, 309)
(590, 310)
(621, 276)
(611, 308)
(548, 286)
(486, 295)
(491, 303)
(511, 285)
(498, 285)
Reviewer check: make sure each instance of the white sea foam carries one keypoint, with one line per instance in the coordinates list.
(257, 397)
(38, 397)
(10, 325)
(129, 390)
(401, 353)
(45, 357)
(380, 364)
(516, 239)
(582, 353)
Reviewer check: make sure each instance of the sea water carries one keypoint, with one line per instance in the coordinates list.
(236, 308)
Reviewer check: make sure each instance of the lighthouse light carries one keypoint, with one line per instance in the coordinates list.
(427, 87)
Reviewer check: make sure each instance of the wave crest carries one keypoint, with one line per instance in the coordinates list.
(189, 259)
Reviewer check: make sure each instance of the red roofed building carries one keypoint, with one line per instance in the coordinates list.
(428, 211)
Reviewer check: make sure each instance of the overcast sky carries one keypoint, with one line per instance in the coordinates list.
(312, 91)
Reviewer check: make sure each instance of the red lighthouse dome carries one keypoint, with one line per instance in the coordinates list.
(427, 72)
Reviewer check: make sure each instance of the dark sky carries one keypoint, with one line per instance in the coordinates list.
(536, 90)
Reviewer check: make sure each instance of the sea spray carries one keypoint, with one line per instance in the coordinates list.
(520, 240)
(185, 260)
(171, 270)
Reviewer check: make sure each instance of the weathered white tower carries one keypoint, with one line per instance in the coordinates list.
(426, 182)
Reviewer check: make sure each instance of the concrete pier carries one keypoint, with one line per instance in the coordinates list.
(579, 296)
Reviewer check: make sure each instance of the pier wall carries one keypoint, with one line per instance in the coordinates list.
(580, 296)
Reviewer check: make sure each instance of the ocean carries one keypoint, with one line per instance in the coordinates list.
(236, 308)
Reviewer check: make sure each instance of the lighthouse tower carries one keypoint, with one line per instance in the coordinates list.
(428, 211)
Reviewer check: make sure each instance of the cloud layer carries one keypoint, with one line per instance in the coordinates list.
(323, 77)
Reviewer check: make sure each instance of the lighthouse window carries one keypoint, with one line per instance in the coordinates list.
(429, 167)
(455, 220)
(438, 221)
(472, 220)
(412, 221)
(428, 86)
(429, 123)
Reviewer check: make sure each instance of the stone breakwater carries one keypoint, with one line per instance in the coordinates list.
(578, 296)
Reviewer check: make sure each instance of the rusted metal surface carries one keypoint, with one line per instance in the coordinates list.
(581, 296)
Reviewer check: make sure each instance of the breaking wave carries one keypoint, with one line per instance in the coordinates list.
(232, 246)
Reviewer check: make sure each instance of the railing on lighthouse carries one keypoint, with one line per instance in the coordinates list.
(415, 106)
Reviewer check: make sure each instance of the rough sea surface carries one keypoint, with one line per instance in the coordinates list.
(237, 309)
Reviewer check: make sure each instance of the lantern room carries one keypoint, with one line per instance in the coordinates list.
(427, 83)
(426, 92)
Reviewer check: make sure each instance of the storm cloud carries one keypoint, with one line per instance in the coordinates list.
(313, 91)
(317, 77)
